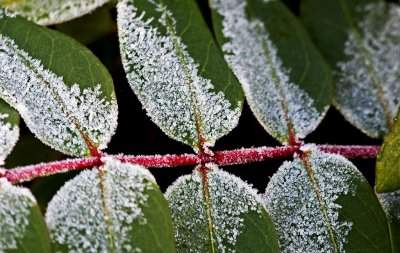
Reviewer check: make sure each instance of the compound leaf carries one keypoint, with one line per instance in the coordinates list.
(322, 203)
(218, 212)
(177, 71)
(115, 208)
(61, 90)
(22, 225)
(9, 130)
(286, 82)
(360, 40)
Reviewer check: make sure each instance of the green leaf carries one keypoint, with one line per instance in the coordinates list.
(388, 161)
(391, 204)
(214, 211)
(115, 208)
(9, 130)
(177, 71)
(286, 82)
(322, 203)
(22, 225)
(89, 28)
(61, 90)
(360, 40)
(49, 12)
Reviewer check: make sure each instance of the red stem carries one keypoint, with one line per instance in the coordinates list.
(238, 156)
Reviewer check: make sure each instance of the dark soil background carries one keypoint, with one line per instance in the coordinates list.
(137, 134)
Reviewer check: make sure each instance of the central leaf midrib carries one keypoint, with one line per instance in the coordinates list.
(193, 94)
(368, 63)
(204, 174)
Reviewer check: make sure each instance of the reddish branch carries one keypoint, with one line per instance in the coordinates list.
(238, 156)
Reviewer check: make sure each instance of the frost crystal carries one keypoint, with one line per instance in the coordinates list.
(15, 208)
(255, 61)
(52, 110)
(6, 13)
(82, 214)
(368, 82)
(167, 79)
(295, 209)
(9, 135)
(47, 12)
(391, 204)
(229, 199)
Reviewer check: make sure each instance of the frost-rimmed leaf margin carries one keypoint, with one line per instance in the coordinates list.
(215, 211)
(22, 225)
(177, 71)
(387, 174)
(391, 205)
(68, 99)
(112, 208)
(9, 130)
(360, 41)
(50, 12)
(315, 204)
(288, 88)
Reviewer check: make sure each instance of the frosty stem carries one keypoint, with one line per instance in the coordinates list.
(231, 157)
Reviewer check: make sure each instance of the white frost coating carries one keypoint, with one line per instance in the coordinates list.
(357, 93)
(167, 80)
(49, 106)
(6, 13)
(294, 207)
(15, 208)
(391, 204)
(230, 198)
(9, 135)
(48, 12)
(76, 216)
(256, 63)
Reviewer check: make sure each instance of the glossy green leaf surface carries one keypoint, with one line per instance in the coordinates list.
(61, 90)
(115, 208)
(22, 225)
(286, 81)
(388, 161)
(391, 204)
(360, 40)
(49, 12)
(177, 71)
(219, 213)
(322, 203)
(9, 130)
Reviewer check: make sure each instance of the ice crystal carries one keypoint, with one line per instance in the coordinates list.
(274, 99)
(15, 208)
(55, 112)
(391, 204)
(83, 212)
(229, 199)
(167, 79)
(368, 81)
(295, 209)
(9, 135)
(6, 13)
(47, 12)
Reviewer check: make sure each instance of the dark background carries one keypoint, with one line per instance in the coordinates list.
(138, 135)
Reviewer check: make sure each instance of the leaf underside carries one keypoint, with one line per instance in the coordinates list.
(9, 130)
(61, 90)
(322, 203)
(178, 73)
(360, 41)
(219, 213)
(115, 208)
(287, 83)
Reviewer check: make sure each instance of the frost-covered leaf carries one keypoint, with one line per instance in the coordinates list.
(219, 213)
(322, 203)
(391, 204)
(22, 227)
(177, 71)
(287, 83)
(49, 12)
(360, 39)
(60, 89)
(115, 208)
(9, 130)
(388, 161)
